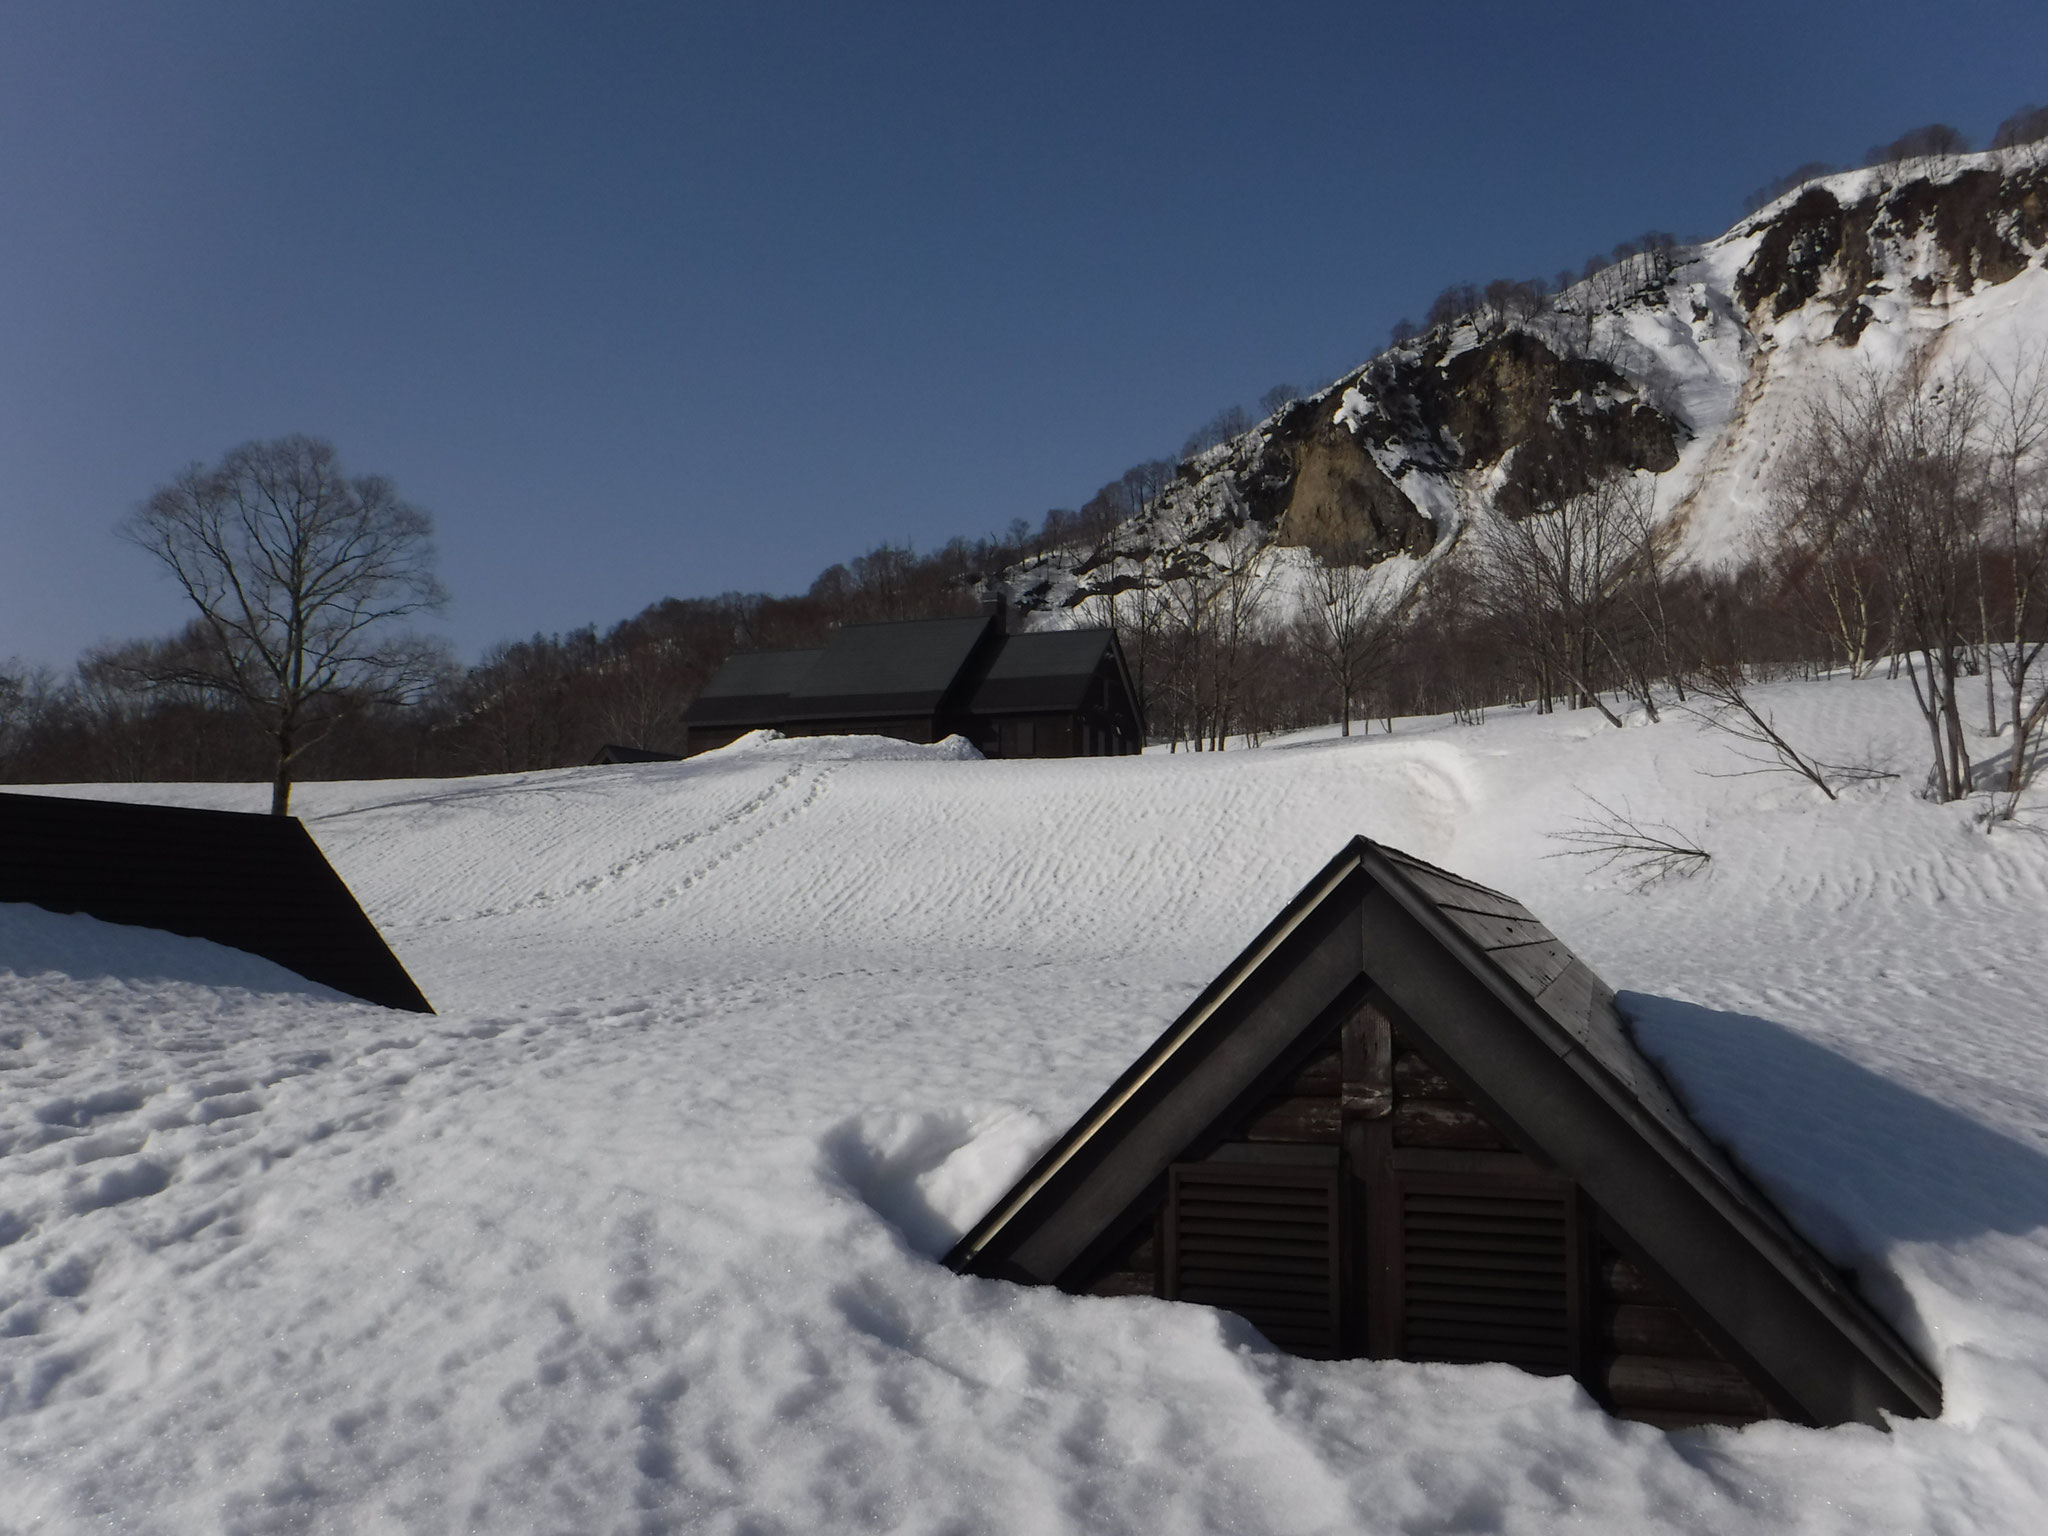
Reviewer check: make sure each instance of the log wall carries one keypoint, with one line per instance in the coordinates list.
(1440, 1191)
(1656, 1366)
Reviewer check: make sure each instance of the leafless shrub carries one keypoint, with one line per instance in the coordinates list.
(1932, 140)
(1642, 852)
(1722, 703)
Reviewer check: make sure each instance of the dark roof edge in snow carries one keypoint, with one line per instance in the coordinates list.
(250, 882)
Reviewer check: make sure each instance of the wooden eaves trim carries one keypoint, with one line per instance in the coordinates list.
(1131, 699)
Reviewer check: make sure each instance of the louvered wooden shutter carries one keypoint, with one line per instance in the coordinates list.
(1262, 1241)
(1486, 1272)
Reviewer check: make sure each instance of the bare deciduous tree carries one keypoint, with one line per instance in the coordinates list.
(1919, 143)
(1211, 617)
(26, 694)
(1898, 483)
(1227, 423)
(1245, 581)
(1347, 623)
(1829, 574)
(1555, 580)
(300, 574)
(2015, 595)
(2029, 125)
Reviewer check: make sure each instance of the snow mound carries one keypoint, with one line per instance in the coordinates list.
(845, 749)
(34, 942)
(932, 1175)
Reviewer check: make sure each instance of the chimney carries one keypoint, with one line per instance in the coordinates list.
(995, 605)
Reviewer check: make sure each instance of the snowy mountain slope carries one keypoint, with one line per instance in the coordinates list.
(1692, 365)
(638, 1233)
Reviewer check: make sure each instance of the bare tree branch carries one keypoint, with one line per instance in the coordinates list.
(1643, 852)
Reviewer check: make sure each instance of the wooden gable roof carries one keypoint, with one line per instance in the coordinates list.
(1050, 670)
(751, 689)
(1533, 1039)
(908, 667)
(255, 883)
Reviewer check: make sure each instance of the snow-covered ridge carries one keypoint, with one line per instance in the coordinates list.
(1691, 365)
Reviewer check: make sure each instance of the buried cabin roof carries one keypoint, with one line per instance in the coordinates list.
(751, 688)
(251, 882)
(1548, 1057)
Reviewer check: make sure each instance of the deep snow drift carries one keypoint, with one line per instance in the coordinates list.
(637, 1235)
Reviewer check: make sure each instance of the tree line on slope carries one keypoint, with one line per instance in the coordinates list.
(1646, 260)
(2029, 125)
(299, 664)
(1913, 537)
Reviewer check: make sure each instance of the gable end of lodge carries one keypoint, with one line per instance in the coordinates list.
(1047, 693)
(1408, 1123)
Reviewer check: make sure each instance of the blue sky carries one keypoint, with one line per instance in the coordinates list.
(651, 300)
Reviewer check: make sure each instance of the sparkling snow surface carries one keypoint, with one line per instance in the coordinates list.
(637, 1235)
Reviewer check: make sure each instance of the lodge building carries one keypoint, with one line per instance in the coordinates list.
(1048, 693)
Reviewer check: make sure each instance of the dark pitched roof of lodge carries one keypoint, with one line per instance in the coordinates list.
(752, 687)
(907, 668)
(761, 672)
(901, 668)
(1049, 670)
(254, 883)
(1549, 1058)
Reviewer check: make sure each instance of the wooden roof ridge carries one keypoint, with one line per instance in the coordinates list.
(1045, 1223)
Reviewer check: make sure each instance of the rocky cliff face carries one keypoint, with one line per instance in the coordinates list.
(1983, 226)
(1691, 365)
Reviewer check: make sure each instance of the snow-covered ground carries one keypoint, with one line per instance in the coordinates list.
(638, 1233)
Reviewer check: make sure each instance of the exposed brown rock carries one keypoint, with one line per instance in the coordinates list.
(1797, 249)
(1339, 500)
(1984, 223)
